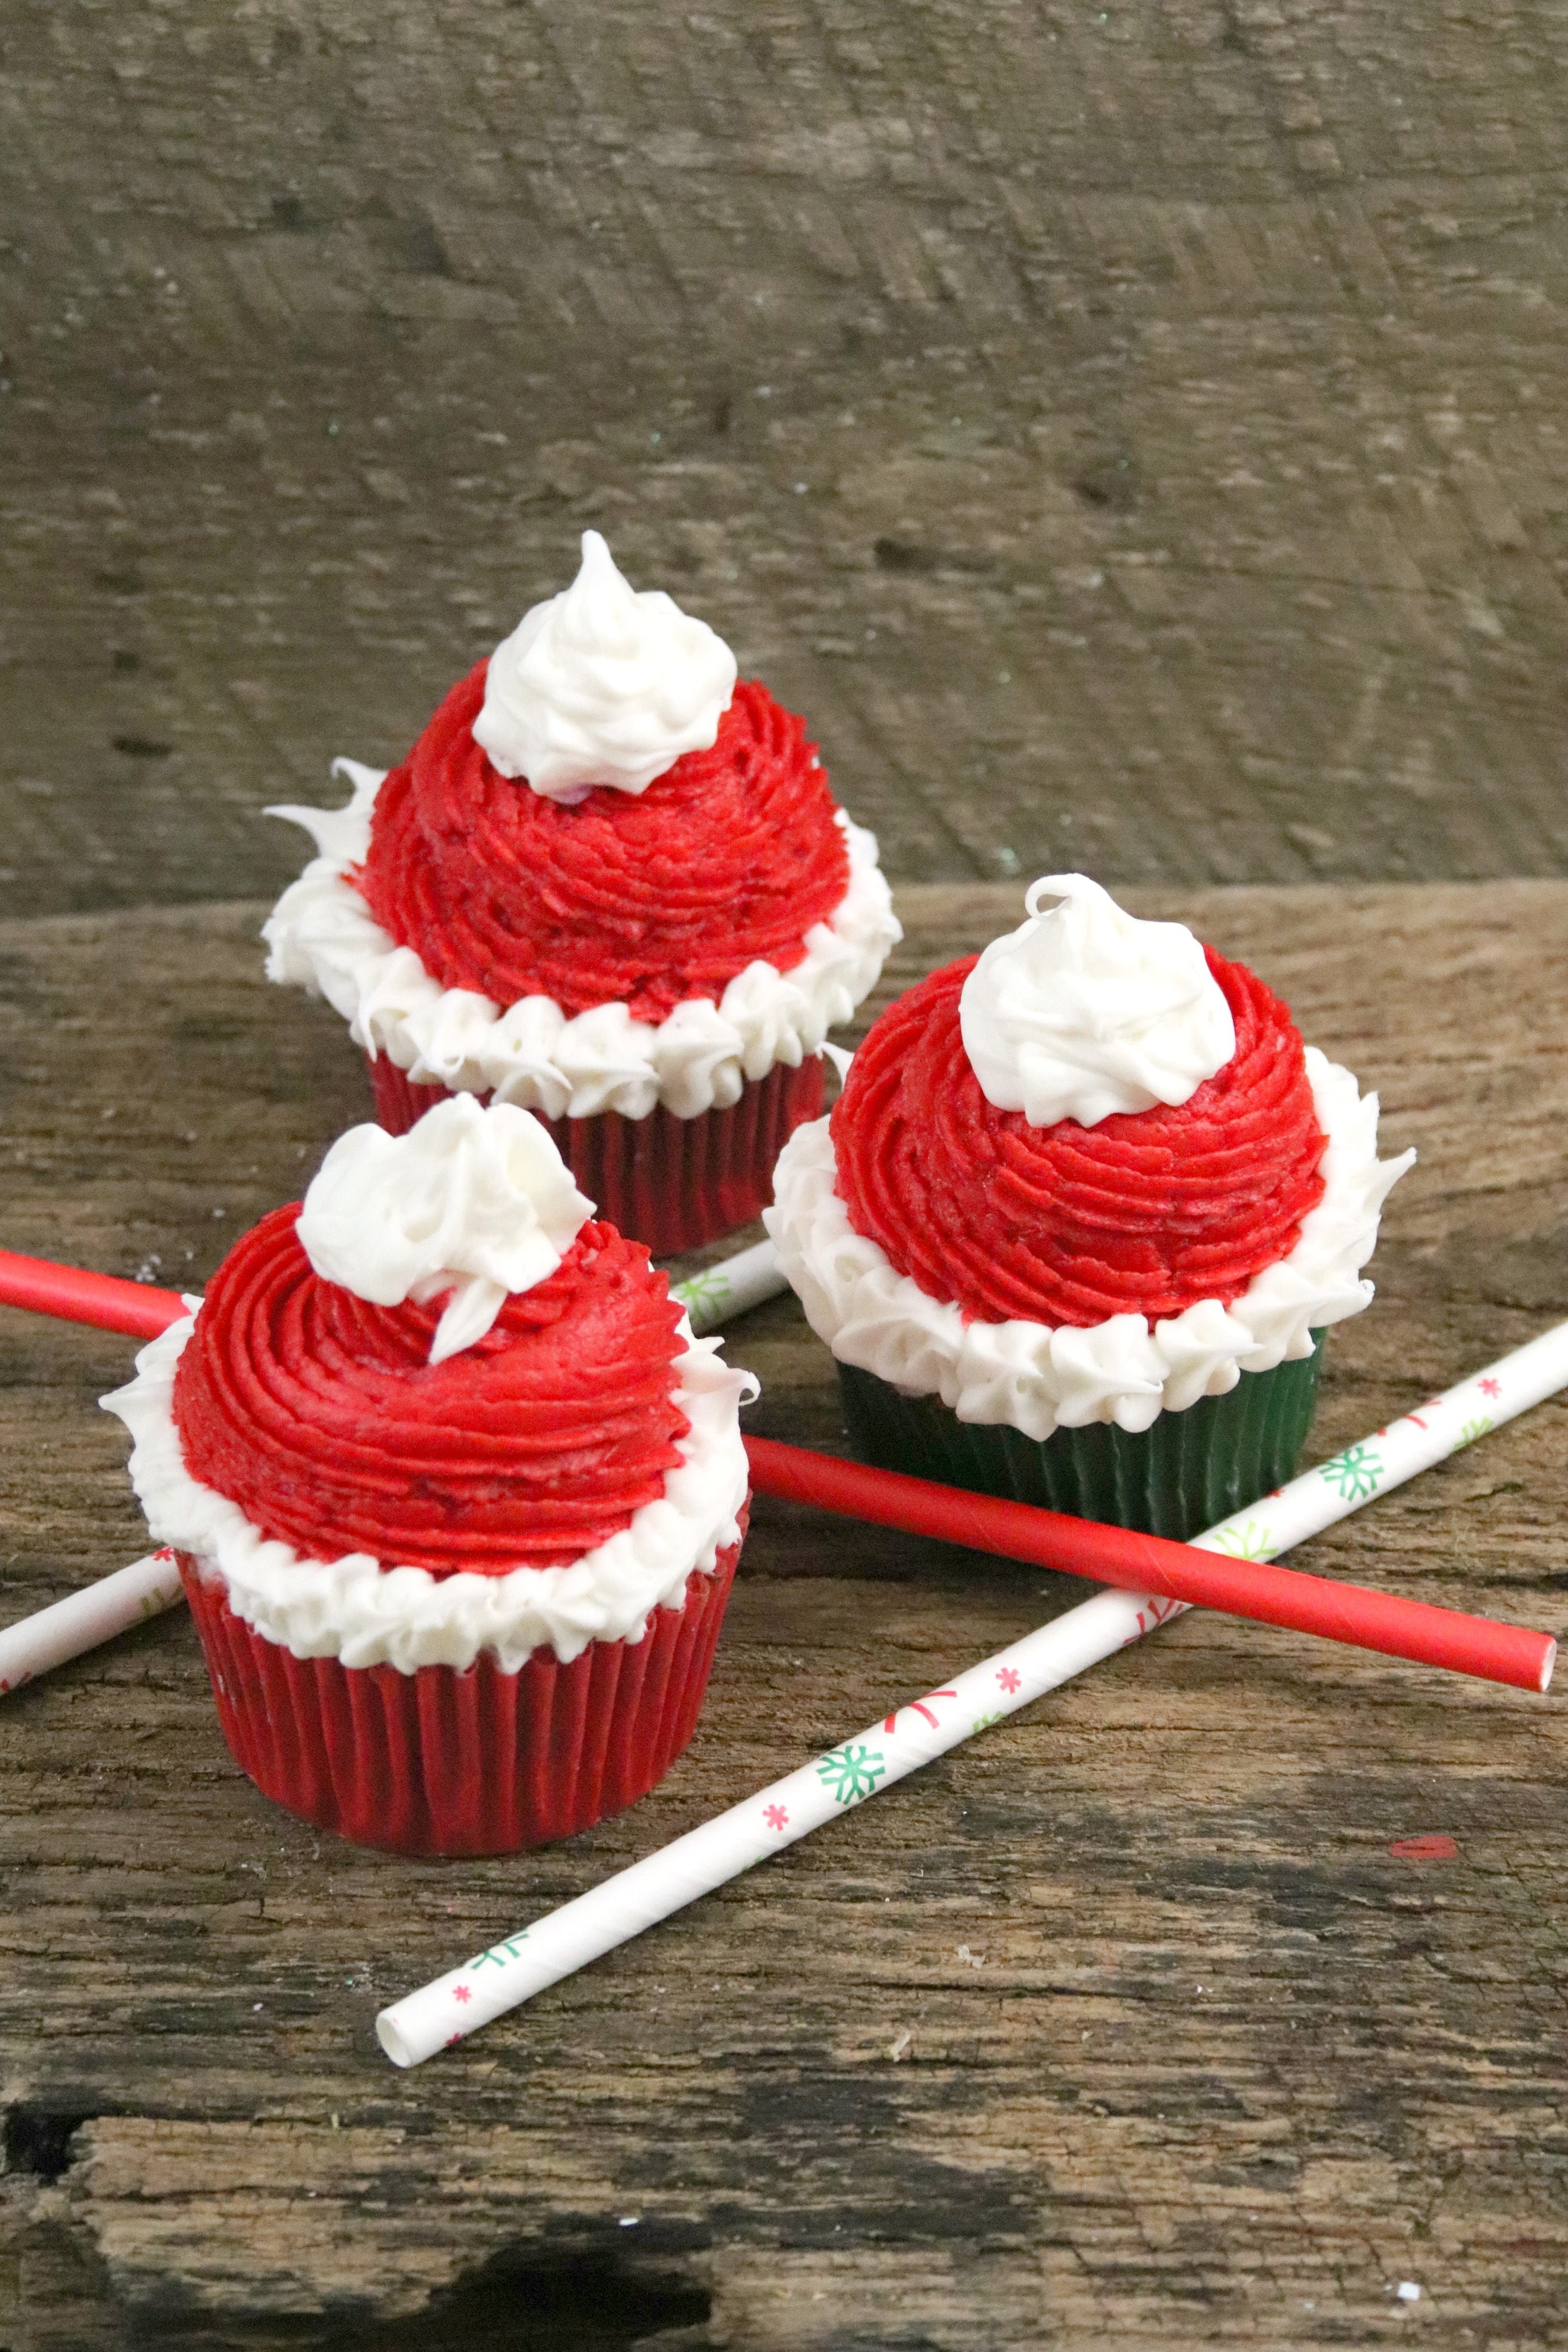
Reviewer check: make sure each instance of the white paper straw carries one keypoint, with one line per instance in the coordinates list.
(114, 1603)
(830, 1785)
(82, 1620)
(732, 1286)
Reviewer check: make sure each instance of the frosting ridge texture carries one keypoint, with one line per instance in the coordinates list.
(1037, 1378)
(320, 1415)
(540, 1051)
(1069, 1225)
(636, 1485)
(729, 858)
(1048, 1278)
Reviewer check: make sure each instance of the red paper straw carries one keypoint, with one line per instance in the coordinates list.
(1139, 1563)
(77, 1298)
(1117, 1556)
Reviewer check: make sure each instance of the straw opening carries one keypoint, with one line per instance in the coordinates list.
(391, 2040)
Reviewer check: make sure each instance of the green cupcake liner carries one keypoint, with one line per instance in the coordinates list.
(1186, 1472)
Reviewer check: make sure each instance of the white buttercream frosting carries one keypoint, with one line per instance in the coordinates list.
(472, 1200)
(603, 686)
(322, 935)
(367, 1615)
(1084, 1010)
(1037, 1377)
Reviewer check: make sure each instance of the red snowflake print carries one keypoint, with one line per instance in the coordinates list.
(462, 1992)
(1489, 1388)
(452, 2040)
(920, 1707)
(775, 1816)
(1009, 1677)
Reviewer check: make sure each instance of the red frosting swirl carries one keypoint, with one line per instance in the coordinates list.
(1146, 1213)
(645, 901)
(319, 1414)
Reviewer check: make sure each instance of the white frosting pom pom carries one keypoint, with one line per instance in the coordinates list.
(603, 686)
(1084, 1012)
(474, 1201)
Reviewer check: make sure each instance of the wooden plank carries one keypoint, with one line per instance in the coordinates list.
(1191, 2054)
(1171, 393)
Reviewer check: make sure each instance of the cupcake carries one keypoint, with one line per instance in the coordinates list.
(1079, 1218)
(609, 885)
(456, 1497)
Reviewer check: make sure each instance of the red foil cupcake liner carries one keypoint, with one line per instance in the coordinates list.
(477, 1761)
(672, 1183)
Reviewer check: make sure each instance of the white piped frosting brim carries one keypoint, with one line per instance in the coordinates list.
(1037, 1378)
(367, 1615)
(323, 935)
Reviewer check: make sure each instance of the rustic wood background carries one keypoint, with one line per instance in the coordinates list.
(1132, 435)
(1124, 2025)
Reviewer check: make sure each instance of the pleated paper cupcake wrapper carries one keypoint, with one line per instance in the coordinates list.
(672, 1183)
(1186, 1473)
(478, 1761)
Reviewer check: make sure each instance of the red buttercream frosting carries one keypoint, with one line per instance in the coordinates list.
(646, 900)
(319, 1415)
(1146, 1213)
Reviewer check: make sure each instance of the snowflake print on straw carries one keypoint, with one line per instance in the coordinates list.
(851, 1772)
(1251, 1540)
(921, 1707)
(732, 1286)
(414, 2029)
(1357, 1473)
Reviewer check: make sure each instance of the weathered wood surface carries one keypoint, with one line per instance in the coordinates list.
(1189, 2055)
(1129, 430)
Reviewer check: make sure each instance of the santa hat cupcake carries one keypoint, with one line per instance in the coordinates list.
(609, 885)
(458, 1497)
(1078, 1217)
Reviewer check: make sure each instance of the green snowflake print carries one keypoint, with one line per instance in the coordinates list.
(1474, 1429)
(704, 1293)
(1357, 1473)
(499, 1954)
(1251, 1542)
(983, 1722)
(851, 1772)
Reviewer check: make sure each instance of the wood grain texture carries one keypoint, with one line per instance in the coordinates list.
(1188, 2055)
(1127, 432)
